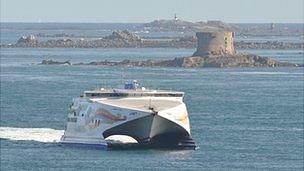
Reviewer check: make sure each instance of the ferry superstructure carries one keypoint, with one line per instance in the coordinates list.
(154, 118)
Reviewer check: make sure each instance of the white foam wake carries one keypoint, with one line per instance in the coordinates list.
(31, 134)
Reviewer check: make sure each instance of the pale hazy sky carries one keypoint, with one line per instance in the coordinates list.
(148, 10)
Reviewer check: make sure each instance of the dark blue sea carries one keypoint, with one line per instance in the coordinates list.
(241, 118)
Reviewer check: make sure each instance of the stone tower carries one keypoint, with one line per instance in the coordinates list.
(214, 43)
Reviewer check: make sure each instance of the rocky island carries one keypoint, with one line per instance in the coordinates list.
(214, 49)
(128, 39)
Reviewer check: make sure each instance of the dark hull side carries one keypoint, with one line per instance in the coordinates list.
(152, 131)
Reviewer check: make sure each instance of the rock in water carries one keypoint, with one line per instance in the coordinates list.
(123, 35)
(191, 62)
(214, 49)
(51, 62)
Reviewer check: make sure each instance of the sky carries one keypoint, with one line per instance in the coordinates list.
(138, 11)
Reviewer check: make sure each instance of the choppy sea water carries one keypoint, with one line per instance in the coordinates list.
(241, 118)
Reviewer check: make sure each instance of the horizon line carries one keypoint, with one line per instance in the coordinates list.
(93, 22)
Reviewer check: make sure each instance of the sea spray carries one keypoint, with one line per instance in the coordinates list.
(46, 135)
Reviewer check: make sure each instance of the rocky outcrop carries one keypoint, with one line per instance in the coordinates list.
(27, 41)
(123, 35)
(123, 39)
(241, 60)
(181, 25)
(245, 60)
(214, 49)
(216, 25)
(51, 62)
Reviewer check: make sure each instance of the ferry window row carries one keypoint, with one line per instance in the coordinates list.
(133, 94)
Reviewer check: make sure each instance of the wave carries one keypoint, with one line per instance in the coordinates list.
(46, 135)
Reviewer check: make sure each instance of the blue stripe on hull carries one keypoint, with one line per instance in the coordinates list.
(82, 145)
(128, 146)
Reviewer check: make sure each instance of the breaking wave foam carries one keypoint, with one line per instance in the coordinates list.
(31, 134)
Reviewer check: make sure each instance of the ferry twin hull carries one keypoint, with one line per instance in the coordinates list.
(154, 131)
(157, 122)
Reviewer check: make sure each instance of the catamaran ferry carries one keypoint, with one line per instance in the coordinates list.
(154, 118)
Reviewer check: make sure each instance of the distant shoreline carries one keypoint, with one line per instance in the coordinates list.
(142, 35)
(127, 39)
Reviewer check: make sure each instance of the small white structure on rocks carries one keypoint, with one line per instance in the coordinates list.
(31, 39)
